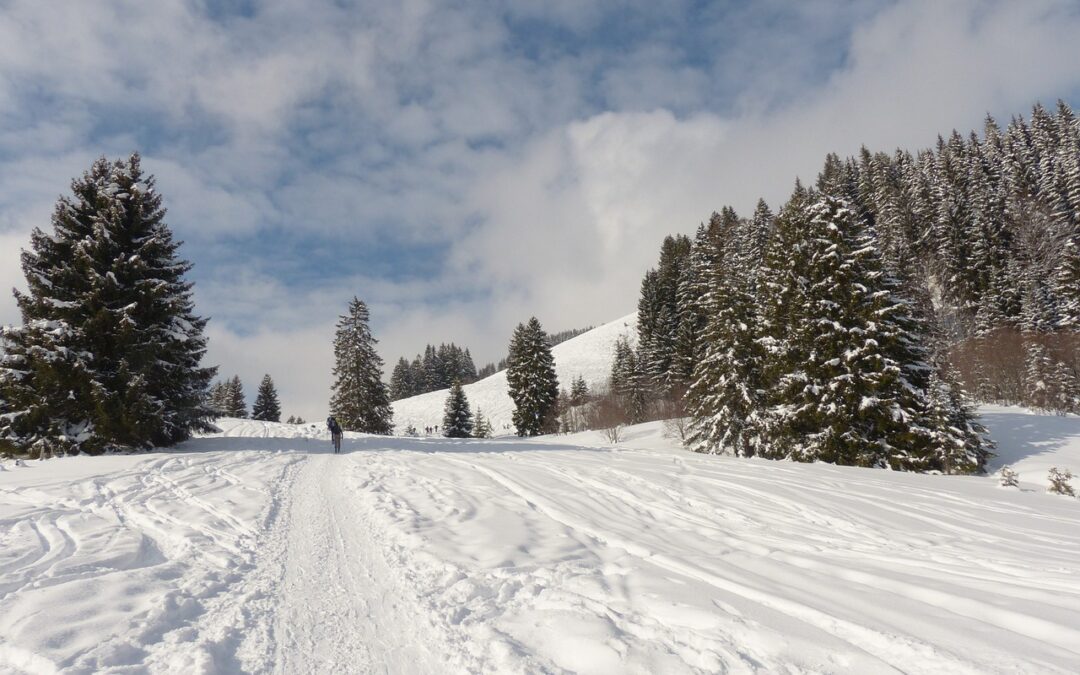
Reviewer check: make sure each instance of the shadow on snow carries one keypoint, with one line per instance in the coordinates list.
(1019, 434)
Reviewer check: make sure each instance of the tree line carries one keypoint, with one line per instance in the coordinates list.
(437, 369)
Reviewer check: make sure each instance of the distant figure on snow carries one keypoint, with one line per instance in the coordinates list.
(335, 432)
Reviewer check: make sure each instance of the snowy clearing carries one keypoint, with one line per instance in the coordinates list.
(256, 550)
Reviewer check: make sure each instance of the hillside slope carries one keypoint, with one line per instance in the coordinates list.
(588, 355)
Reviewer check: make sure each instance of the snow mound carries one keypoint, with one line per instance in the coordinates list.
(588, 355)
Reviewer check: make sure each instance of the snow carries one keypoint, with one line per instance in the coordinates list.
(255, 549)
(588, 355)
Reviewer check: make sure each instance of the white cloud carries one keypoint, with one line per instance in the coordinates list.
(548, 178)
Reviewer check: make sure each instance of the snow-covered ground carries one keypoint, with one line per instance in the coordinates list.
(588, 355)
(255, 550)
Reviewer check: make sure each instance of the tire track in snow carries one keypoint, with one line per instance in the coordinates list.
(888, 648)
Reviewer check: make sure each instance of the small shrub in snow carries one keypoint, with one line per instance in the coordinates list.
(1060, 482)
(677, 427)
(1009, 478)
(613, 433)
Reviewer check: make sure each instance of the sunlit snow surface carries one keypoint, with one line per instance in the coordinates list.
(256, 550)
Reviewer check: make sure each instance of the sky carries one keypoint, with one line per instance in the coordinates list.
(462, 166)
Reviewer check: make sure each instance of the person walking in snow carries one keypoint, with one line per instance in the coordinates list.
(335, 432)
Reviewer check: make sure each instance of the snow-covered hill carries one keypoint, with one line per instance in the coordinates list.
(256, 550)
(588, 355)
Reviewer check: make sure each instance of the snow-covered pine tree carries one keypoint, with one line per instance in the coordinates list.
(235, 401)
(1067, 283)
(531, 379)
(481, 427)
(110, 348)
(958, 441)
(359, 399)
(401, 381)
(628, 383)
(858, 395)
(215, 398)
(1038, 376)
(579, 391)
(457, 417)
(725, 400)
(659, 315)
(267, 407)
(1066, 389)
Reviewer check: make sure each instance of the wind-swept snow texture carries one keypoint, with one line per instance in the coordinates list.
(588, 355)
(256, 550)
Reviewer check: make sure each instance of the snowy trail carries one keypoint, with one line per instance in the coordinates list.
(256, 550)
(338, 608)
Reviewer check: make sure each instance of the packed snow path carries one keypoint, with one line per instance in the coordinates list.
(338, 605)
(259, 551)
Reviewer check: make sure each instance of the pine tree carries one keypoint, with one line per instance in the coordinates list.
(482, 427)
(1066, 389)
(579, 391)
(855, 396)
(957, 439)
(267, 407)
(235, 404)
(401, 381)
(1067, 283)
(1038, 377)
(359, 400)
(110, 348)
(457, 418)
(629, 382)
(725, 401)
(530, 377)
(217, 398)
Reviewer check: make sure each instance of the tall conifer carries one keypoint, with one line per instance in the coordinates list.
(531, 380)
(110, 347)
(359, 400)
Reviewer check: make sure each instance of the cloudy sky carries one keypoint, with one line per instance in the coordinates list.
(464, 165)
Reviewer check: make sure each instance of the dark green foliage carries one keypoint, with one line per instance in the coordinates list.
(725, 399)
(109, 352)
(482, 426)
(856, 391)
(579, 391)
(359, 400)
(437, 369)
(457, 418)
(530, 377)
(659, 315)
(402, 381)
(235, 404)
(267, 406)
(629, 383)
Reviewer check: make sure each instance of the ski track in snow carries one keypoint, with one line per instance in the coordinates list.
(256, 550)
